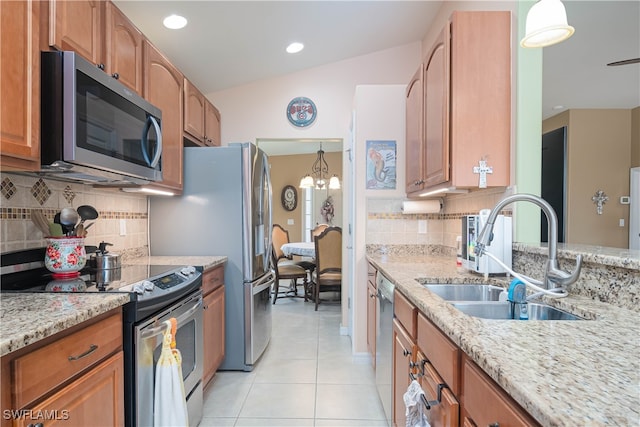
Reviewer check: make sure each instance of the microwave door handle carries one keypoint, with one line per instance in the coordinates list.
(145, 141)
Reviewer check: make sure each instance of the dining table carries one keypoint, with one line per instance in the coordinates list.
(306, 249)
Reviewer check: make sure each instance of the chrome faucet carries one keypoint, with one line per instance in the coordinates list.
(553, 276)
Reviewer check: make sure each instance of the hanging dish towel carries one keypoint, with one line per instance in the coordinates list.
(170, 400)
(415, 408)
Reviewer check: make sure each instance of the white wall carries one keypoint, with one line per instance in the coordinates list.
(257, 110)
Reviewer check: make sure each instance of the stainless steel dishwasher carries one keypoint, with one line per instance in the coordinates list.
(384, 343)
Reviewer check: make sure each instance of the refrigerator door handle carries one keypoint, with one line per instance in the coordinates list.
(265, 282)
(269, 206)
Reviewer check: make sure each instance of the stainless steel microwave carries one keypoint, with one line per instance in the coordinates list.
(93, 128)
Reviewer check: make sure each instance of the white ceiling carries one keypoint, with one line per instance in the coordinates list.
(230, 43)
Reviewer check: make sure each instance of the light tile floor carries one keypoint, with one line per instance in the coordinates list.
(306, 377)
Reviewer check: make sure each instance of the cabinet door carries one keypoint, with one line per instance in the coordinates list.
(193, 112)
(163, 85)
(485, 403)
(436, 111)
(447, 412)
(213, 331)
(77, 26)
(372, 321)
(20, 83)
(212, 135)
(123, 49)
(403, 348)
(96, 398)
(414, 133)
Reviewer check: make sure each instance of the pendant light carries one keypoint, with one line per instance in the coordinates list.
(546, 24)
(320, 169)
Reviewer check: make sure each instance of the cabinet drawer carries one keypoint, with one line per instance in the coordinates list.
(486, 403)
(212, 279)
(43, 369)
(405, 312)
(440, 351)
(447, 412)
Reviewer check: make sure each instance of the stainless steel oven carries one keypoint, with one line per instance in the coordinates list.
(157, 293)
(148, 345)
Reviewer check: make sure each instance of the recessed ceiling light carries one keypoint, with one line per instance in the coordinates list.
(295, 47)
(175, 22)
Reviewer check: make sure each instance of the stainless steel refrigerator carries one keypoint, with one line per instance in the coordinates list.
(225, 209)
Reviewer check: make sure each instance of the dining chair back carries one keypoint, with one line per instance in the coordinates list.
(317, 230)
(327, 276)
(284, 267)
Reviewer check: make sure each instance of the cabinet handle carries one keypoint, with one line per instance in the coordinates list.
(92, 348)
(101, 66)
(372, 295)
(406, 352)
(496, 424)
(115, 76)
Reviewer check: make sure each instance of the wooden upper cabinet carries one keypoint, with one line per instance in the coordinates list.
(194, 105)
(201, 118)
(123, 49)
(465, 113)
(436, 111)
(20, 83)
(163, 86)
(414, 135)
(77, 26)
(212, 134)
(480, 96)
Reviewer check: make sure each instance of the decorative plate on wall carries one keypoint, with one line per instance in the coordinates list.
(289, 197)
(301, 111)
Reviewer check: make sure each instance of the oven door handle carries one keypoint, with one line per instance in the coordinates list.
(148, 333)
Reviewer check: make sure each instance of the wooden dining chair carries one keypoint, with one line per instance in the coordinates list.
(285, 267)
(327, 276)
(319, 228)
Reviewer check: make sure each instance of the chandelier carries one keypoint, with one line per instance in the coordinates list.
(320, 170)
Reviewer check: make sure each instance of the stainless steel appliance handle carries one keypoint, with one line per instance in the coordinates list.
(145, 141)
(156, 330)
(270, 205)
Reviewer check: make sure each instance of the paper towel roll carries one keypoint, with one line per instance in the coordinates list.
(421, 206)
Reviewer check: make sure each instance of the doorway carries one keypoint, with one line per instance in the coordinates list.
(554, 179)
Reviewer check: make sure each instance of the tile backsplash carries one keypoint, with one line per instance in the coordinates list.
(122, 219)
(387, 225)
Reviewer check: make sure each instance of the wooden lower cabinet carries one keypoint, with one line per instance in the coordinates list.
(95, 399)
(468, 396)
(404, 333)
(486, 403)
(213, 322)
(447, 412)
(75, 377)
(372, 303)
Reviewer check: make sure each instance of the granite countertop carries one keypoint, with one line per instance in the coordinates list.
(26, 318)
(564, 373)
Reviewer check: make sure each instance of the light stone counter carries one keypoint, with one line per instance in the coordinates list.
(564, 373)
(197, 261)
(28, 317)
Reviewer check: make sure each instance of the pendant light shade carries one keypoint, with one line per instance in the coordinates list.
(546, 24)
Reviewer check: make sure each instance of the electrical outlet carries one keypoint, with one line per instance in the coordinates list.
(290, 221)
(422, 226)
(123, 227)
(621, 222)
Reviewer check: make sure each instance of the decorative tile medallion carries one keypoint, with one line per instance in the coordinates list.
(41, 191)
(69, 194)
(7, 188)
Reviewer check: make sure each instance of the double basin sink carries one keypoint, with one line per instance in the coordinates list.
(484, 301)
